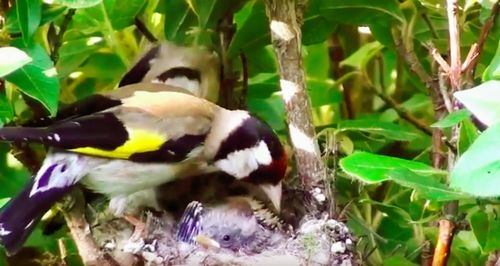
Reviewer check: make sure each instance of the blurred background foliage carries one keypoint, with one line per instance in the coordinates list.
(357, 82)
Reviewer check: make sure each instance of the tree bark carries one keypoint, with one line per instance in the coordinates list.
(285, 19)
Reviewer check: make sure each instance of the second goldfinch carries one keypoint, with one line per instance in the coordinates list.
(139, 137)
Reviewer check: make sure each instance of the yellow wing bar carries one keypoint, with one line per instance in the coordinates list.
(139, 141)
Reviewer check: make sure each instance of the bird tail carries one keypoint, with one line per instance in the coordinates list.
(20, 215)
(22, 134)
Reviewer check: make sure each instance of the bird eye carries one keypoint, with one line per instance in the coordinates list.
(63, 168)
(226, 238)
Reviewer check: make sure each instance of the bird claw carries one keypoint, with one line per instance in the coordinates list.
(190, 222)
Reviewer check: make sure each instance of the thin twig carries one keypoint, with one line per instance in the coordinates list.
(63, 251)
(454, 35)
(144, 30)
(432, 29)
(414, 64)
(438, 58)
(432, 84)
(485, 31)
(244, 84)
(57, 42)
(226, 29)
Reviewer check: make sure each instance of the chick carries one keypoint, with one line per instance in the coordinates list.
(241, 225)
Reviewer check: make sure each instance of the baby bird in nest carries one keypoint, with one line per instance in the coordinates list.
(242, 225)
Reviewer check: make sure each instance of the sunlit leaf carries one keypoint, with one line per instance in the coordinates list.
(361, 11)
(373, 168)
(483, 101)
(452, 119)
(362, 56)
(427, 186)
(477, 170)
(3, 202)
(12, 59)
(386, 129)
(38, 79)
(78, 3)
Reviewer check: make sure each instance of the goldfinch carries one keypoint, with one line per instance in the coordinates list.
(241, 225)
(195, 69)
(138, 137)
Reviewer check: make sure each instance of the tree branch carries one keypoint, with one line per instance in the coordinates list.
(57, 42)
(285, 18)
(450, 209)
(80, 231)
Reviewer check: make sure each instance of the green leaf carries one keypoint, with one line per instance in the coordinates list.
(104, 66)
(121, 13)
(3, 202)
(316, 29)
(253, 32)
(452, 119)
(398, 260)
(479, 224)
(468, 134)
(179, 18)
(385, 129)
(74, 52)
(6, 111)
(12, 59)
(477, 170)
(49, 14)
(270, 109)
(429, 187)
(399, 215)
(486, 228)
(483, 101)
(38, 79)
(261, 60)
(374, 168)
(493, 70)
(78, 3)
(360, 11)
(29, 14)
(363, 55)
(210, 12)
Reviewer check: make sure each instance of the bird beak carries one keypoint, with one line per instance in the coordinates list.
(274, 194)
(206, 242)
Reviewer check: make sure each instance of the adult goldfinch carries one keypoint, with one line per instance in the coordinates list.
(138, 137)
(193, 68)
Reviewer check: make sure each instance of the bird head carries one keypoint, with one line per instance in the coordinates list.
(195, 69)
(248, 149)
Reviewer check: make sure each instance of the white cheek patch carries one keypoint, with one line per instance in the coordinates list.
(191, 85)
(242, 163)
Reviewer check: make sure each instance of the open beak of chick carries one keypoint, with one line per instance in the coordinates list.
(206, 242)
